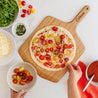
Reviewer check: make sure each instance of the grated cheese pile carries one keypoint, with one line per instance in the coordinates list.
(5, 45)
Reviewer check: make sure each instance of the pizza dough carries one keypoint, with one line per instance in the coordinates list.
(52, 48)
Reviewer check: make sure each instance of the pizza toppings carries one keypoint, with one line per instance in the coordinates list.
(63, 65)
(36, 47)
(41, 57)
(50, 41)
(47, 64)
(48, 57)
(71, 45)
(61, 50)
(37, 53)
(57, 38)
(61, 60)
(66, 59)
(62, 36)
(60, 56)
(42, 38)
(53, 49)
(56, 51)
(44, 42)
(57, 66)
(65, 46)
(54, 28)
(58, 47)
(47, 50)
(41, 50)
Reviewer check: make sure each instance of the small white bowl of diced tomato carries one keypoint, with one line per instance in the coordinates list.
(21, 76)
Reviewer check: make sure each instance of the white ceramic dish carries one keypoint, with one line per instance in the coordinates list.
(25, 87)
(94, 83)
(14, 29)
(5, 60)
(16, 16)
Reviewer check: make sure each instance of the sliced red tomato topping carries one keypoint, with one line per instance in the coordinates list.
(60, 60)
(50, 41)
(62, 36)
(51, 49)
(57, 66)
(70, 46)
(42, 37)
(60, 55)
(65, 46)
(48, 57)
(47, 50)
(66, 59)
(16, 70)
(58, 47)
(50, 63)
(63, 65)
(35, 47)
(56, 51)
(54, 28)
(41, 57)
(42, 50)
(46, 64)
(61, 50)
(57, 43)
(44, 42)
(37, 53)
(61, 41)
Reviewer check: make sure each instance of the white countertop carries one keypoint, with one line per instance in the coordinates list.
(87, 30)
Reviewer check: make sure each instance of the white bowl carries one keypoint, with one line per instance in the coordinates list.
(25, 87)
(14, 29)
(92, 82)
(5, 60)
(16, 16)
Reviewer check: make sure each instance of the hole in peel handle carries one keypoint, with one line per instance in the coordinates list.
(81, 15)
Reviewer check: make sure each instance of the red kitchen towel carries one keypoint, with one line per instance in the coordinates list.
(91, 91)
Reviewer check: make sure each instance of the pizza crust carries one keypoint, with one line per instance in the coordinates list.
(40, 64)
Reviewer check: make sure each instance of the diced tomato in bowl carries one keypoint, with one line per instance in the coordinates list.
(22, 74)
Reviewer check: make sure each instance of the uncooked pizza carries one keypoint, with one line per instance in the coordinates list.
(52, 48)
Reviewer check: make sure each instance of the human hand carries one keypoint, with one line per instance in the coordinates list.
(75, 73)
(19, 94)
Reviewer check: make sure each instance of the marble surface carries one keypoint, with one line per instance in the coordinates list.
(87, 30)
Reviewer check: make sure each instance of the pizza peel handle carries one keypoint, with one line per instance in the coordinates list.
(80, 15)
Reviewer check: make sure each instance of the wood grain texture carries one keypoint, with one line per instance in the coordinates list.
(55, 76)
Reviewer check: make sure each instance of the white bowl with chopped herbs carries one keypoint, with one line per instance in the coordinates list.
(19, 29)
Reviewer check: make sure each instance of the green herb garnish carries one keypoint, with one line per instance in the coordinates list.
(8, 8)
(20, 30)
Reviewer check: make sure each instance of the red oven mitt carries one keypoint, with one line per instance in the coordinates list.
(91, 91)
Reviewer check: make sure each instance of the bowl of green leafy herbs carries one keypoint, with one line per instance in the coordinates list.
(8, 12)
